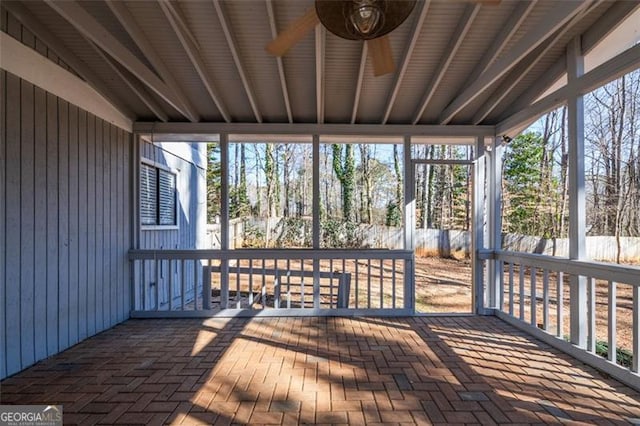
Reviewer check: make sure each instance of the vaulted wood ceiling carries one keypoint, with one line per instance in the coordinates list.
(457, 61)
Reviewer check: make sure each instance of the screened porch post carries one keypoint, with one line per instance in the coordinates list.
(409, 226)
(577, 205)
(477, 234)
(494, 221)
(224, 218)
(315, 210)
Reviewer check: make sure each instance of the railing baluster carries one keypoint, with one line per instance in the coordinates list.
(381, 285)
(250, 284)
(264, 284)
(157, 278)
(171, 285)
(368, 283)
(276, 288)
(238, 303)
(521, 291)
(534, 297)
(511, 285)
(612, 326)
(393, 283)
(560, 305)
(591, 314)
(344, 271)
(330, 283)
(545, 299)
(206, 286)
(288, 284)
(183, 284)
(195, 284)
(500, 268)
(143, 293)
(302, 302)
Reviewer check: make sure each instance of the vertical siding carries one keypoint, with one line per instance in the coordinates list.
(191, 219)
(64, 222)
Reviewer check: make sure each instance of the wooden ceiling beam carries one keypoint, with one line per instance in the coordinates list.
(134, 85)
(39, 30)
(191, 48)
(138, 36)
(518, 15)
(283, 79)
(356, 98)
(548, 24)
(471, 11)
(320, 33)
(231, 43)
(415, 34)
(90, 28)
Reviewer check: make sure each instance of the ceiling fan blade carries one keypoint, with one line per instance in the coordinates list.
(381, 56)
(293, 33)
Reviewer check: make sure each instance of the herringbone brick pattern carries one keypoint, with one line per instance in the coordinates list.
(444, 370)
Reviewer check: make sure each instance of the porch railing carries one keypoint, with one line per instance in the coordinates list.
(600, 326)
(270, 282)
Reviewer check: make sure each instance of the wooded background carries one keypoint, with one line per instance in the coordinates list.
(362, 183)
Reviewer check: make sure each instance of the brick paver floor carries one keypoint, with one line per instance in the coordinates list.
(447, 370)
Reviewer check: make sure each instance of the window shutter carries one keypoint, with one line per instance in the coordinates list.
(148, 195)
(167, 198)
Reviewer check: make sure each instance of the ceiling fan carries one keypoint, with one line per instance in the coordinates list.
(368, 20)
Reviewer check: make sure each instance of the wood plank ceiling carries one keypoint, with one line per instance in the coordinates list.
(457, 61)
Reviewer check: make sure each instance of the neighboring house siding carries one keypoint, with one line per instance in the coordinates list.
(64, 221)
(188, 162)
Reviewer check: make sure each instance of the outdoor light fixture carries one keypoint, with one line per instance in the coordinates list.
(363, 19)
(365, 16)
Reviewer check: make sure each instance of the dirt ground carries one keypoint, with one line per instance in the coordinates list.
(443, 285)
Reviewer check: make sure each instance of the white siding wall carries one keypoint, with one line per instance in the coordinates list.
(64, 222)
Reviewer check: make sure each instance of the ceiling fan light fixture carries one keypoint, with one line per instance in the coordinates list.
(366, 16)
(362, 19)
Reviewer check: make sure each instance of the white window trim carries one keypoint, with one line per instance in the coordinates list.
(175, 172)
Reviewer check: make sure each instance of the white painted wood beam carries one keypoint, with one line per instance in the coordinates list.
(522, 69)
(36, 27)
(89, 27)
(605, 24)
(191, 49)
(134, 85)
(175, 128)
(608, 22)
(136, 33)
(31, 66)
(356, 97)
(231, 42)
(460, 32)
(616, 67)
(548, 24)
(415, 34)
(283, 79)
(320, 45)
(514, 21)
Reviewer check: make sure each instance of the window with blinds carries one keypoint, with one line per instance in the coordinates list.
(157, 196)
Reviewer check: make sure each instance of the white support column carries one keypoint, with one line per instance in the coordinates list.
(577, 217)
(494, 221)
(409, 226)
(316, 218)
(477, 235)
(224, 218)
